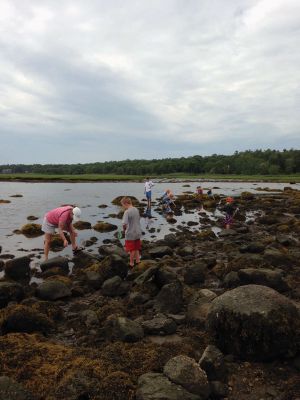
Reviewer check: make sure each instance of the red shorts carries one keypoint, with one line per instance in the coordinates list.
(131, 245)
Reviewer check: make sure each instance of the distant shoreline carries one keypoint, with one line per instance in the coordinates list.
(97, 178)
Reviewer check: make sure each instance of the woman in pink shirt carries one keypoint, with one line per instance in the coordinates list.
(61, 218)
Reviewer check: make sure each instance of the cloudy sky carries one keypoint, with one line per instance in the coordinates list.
(97, 80)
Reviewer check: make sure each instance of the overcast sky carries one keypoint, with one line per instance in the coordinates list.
(97, 80)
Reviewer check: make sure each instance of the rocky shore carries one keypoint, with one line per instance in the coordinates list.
(203, 316)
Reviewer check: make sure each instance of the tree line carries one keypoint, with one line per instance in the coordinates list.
(257, 162)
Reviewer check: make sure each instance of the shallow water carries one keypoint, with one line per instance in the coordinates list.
(38, 198)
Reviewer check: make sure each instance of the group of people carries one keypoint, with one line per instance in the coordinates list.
(63, 217)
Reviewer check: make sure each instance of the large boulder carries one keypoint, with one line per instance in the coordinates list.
(254, 322)
(10, 291)
(18, 268)
(159, 325)
(53, 290)
(104, 227)
(19, 318)
(32, 230)
(213, 363)
(185, 371)
(55, 262)
(115, 287)
(170, 298)
(109, 249)
(124, 329)
(154, 386)
(263, 276)
(195, 273)
(160, 251)
(199, 307)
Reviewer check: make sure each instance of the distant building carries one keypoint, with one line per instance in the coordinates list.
(6, 171)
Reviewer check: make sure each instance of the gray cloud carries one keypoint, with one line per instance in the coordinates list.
(137, 79)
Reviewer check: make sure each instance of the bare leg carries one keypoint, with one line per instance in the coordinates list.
(131, 262)
(137, 256)
(47, 241)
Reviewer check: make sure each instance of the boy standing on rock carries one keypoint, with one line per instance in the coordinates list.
(148, 186)
(132, 229)
(230, 211)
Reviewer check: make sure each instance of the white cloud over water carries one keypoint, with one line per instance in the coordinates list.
(103, 80)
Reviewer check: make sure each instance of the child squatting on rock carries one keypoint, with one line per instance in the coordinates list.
(61, 218)
(132, 229)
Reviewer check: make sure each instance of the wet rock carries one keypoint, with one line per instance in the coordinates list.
(12, 390)
(154, 386)
(102, 206)
(55, 262)
(213, 363)
(227, 233)
(115, 287)
(254, 322)
(93, 279)
(53, 290)
(277, 258)
(113, 249)
(83, 260)
(117, 201)
(164, 276)
(82, 225)
(16, 195)
(252, 248)
(10, 291)
(218, 389)
(20, 318)
(159, 325)
(186, 251)
(121, 328)
(18, 268)
(286, 240)
(199, 307)
(231, 280)
(104, 227)
(2, 201)
(147, 275)
(185, 371)
(195, 273)
(32, 218)
(137, 298)
(1, 264)
(32, 230)
(263, 276)
(160, 251)
(171, 240)
(89, 318)
(170, 298)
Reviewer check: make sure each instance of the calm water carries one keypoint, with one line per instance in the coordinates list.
(38, 198)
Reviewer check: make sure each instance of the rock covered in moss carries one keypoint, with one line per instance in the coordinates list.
(122, 328)
(82, 225)
(20, 318)
(32, 230)
(117, 200)
(12, 390)
(104, 227)
(32, 218)
(18, 268)
(53, 290)
(186, 372)
(155, 386)
(55, 262)
(10, 291)
(255, 322)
